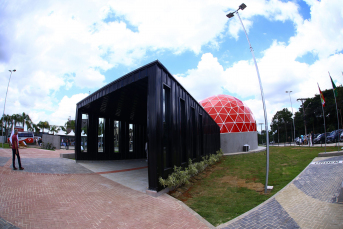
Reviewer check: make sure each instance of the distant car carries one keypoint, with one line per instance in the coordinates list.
(321, 138)
(334, 136)
(316, 140)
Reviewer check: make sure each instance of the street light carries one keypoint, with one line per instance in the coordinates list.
(289, 93)
(230, 15)
(3, 114)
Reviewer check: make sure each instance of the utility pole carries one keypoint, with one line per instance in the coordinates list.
(302, 102)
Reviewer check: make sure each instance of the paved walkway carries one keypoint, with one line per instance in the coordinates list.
(54, 192)
(72, 196)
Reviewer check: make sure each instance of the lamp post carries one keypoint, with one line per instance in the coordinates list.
(289, 93)
(230, 15)
(3, 114)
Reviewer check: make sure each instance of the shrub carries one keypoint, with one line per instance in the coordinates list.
(181, 176)
(48, 146)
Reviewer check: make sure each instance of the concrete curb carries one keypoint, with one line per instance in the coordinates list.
(330, 154)
(67, 155)
(258, 150)
(199, 217)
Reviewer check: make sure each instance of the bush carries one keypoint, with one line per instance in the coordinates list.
(180, 177)
(48, 146)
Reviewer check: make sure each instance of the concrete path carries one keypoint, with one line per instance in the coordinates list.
(72, 196)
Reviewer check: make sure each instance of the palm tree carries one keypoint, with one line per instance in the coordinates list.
(29, 125)
(25, 119)
(54, 129)
(7, 120)
(16, 118)
(43, 125)
(35, 128)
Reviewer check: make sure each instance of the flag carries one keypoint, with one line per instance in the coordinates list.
(321, 96)
(333, 86)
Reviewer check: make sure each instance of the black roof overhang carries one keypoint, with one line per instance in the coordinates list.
(124, 97)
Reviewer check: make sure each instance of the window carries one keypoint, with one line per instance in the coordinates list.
(166, 127)
(101, 133)
(116, 136)
(84, 132)
(131, 137)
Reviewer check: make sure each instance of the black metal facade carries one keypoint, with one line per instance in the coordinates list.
(161, 113)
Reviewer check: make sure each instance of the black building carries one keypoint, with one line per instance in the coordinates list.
(146, 105)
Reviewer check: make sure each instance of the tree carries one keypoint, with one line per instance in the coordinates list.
(35, 128)
(70, 125)
(43, 125)
(26, 119)
(16, 118)
(7, 121)
(54, 129)
(280, 123)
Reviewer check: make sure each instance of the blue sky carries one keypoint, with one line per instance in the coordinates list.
(62, 50)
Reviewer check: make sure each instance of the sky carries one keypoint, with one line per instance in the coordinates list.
(64, 50)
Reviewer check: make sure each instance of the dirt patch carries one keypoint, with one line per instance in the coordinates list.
(241, 183)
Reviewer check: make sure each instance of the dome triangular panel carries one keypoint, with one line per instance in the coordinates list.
(235, 129)
(239, 119)
(245, 129)
(229, 126)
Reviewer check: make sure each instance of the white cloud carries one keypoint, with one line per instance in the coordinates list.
(66, 108)
(206, 80)
(323, 33)
(89, 77)
(67, 44)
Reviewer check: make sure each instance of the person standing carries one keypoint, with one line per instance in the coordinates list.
(15, 151)
(67, 144)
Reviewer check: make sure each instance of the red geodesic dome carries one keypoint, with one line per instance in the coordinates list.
(230, 113)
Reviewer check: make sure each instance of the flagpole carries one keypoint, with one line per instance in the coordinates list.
(334, 94)
(324, 127)
(321, 94)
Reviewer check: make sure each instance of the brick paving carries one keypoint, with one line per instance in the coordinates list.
(53, 166)
(33, 153)
(321, 182)
(270, 215)
(53, 192)
(88, 200)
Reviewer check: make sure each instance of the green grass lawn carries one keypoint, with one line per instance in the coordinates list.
(236, 184)
(6, 145)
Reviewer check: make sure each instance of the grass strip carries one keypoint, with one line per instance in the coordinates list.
(236, 184)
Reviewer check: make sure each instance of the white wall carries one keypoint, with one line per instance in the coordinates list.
(234, 142)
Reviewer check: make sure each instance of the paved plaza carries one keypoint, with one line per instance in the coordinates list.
(54, 192)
